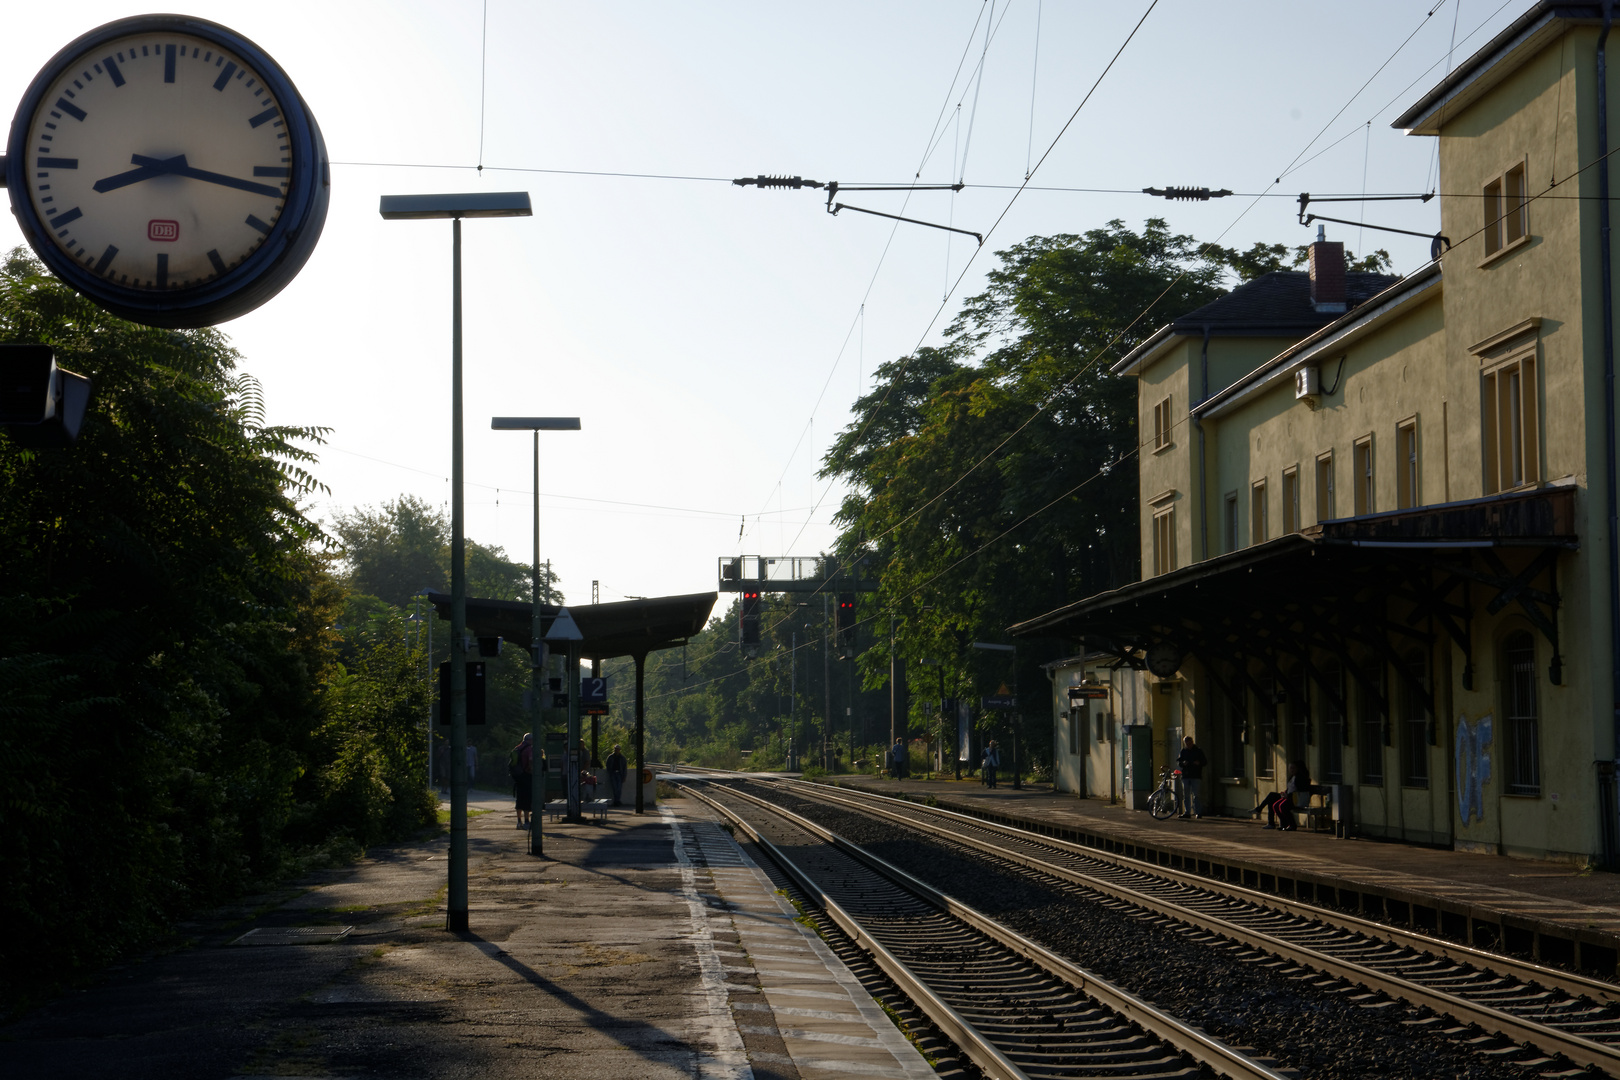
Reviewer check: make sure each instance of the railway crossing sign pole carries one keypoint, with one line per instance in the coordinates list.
(563, 631)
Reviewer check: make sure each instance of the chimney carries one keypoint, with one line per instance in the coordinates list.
(1328, 293)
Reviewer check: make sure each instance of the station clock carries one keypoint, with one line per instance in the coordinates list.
(167, 168)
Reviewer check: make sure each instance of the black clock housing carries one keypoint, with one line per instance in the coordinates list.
(256, 278)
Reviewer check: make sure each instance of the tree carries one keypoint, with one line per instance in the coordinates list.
(403, 547)
(173, 721)
(995, 477)
(396, 550)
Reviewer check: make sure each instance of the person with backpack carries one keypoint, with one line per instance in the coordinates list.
(520, 765)
(991, 762)
(897, 759)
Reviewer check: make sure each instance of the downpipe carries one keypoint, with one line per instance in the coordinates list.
(1606, 770)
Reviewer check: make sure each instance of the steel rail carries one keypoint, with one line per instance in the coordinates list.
(1161, 1025)
(980, 1050)
(1582, 1051)
(1498, 963)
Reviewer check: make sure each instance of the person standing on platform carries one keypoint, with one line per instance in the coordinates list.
(521, 766)
(1191, 761)
(617, 770)
(587, 779)
(897, 759)
(992, 762)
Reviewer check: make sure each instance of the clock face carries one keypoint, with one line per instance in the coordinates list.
(160, 161)
(166, 168)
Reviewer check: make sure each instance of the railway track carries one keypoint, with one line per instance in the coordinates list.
(1510, 1002)
(1013, 1008)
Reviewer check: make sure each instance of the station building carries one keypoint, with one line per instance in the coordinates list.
(1377, 514)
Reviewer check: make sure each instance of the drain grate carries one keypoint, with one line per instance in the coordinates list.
(294, 935)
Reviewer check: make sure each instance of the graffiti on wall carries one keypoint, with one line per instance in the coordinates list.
(1473, 766)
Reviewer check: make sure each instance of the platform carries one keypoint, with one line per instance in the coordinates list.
(1558, 913)
(647, 947)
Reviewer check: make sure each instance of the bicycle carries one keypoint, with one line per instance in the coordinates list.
(1162, 803)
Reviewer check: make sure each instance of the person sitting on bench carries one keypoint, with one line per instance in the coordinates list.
(1281, 804)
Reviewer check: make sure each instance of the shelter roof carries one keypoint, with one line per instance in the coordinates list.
(623, 628)
(1542, 517)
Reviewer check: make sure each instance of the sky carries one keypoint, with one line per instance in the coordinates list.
(713, 338)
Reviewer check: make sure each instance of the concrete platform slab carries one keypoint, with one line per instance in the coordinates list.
(618, 955)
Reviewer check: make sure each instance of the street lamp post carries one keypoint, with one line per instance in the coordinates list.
(456, 207)
(537, 658)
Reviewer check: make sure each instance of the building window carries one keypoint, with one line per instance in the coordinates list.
(1324, 487)
(1507, 211)
(1332, 730)
(1258, 523)
(1076, 719)
(1415, 726)
(1231, 521)
(1233, 741)
(1164, 541)
(1370, 726)
(1290, 500)
(1161, 425)
(1266, 731)
(1299, 719)
(1407, 494)
(1361, 464)
(1511, 421)
(1523, 734)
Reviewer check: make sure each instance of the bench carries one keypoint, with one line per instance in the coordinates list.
(597, 808)
(1317, 809)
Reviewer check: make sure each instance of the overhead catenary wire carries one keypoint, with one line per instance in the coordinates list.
(1255, 199)
(931, 142)
(555, 495)
(1034, 73)
(483, 81)
(996, 224)
(1088, 366)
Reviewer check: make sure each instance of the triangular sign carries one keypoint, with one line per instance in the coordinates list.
(563, 628)
(1003, 692)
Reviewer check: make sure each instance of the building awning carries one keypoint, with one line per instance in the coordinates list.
(1354, 589)
(624, 628)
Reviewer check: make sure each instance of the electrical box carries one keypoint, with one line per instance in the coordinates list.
(475, 693)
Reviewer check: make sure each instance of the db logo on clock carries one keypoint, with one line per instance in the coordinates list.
(158, 229)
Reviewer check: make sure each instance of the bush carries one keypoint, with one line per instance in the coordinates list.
(172, 727)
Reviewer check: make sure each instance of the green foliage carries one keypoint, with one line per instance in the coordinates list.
(166, 673)
(1263, 258)
(394, 551)
(995, 477)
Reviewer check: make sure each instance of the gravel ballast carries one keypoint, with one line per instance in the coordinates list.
(1313, 1029)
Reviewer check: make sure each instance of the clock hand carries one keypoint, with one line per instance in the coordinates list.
(149, 167)
(177, 166)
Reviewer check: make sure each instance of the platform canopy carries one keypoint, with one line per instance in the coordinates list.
(1373, 586)
(625, 628)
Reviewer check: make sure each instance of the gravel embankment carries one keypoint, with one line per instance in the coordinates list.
(1315, 1031)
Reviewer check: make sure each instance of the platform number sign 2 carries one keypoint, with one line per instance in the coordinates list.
(593, 694)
